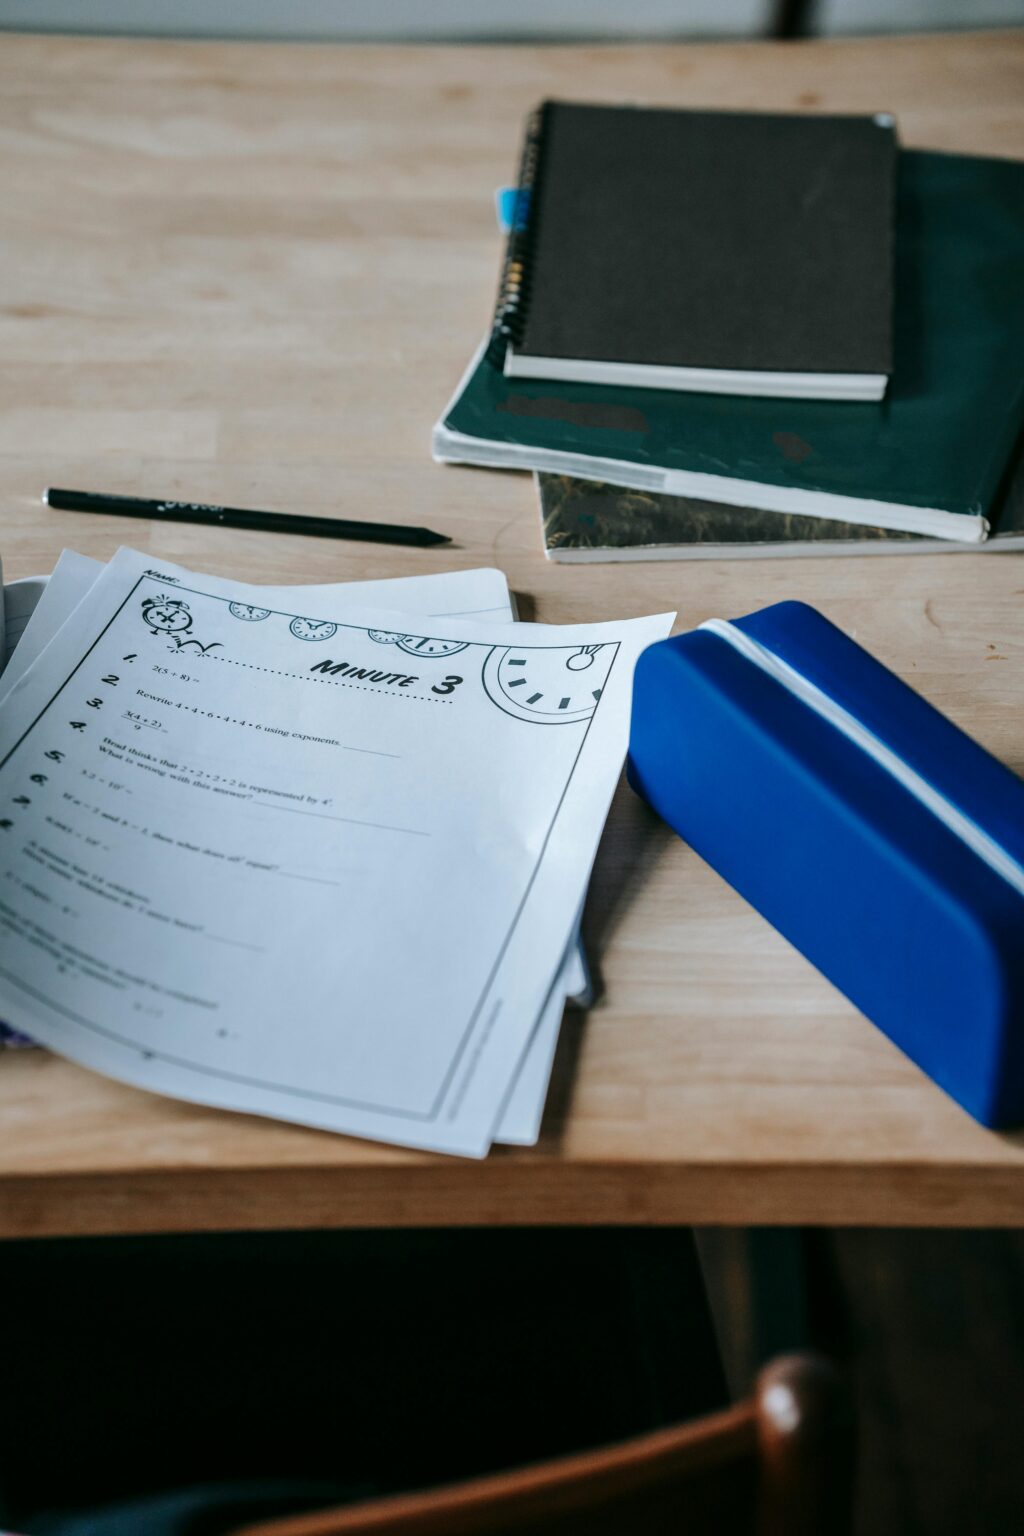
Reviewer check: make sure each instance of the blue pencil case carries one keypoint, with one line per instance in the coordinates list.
(883, 842)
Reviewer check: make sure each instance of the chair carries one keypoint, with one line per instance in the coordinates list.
(778, 1464)
(363, 1362)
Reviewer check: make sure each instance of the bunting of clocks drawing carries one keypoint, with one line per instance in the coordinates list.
(417, 645)
(249, 613)
(313, 629)
(554, 685)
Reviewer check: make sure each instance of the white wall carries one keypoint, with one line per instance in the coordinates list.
(416, 19)
(488, 19)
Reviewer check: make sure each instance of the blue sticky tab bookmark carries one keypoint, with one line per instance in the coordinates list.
(505, 200)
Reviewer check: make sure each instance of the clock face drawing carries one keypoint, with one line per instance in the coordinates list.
(385, 636)
(247, 612)
(169, 615)
(548, 686)
(423, 645)
(312, 629)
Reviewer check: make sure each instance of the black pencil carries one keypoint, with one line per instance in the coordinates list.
(238, 517)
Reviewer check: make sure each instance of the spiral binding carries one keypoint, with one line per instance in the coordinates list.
(513, 290)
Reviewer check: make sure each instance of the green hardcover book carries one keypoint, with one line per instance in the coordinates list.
(928, 459)
(586, 521)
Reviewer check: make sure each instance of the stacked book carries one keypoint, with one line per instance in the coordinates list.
(737, 333)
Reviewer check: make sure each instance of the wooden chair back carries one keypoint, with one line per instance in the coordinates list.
(778, 1464)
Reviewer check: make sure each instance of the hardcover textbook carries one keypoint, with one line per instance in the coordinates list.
(584, 521)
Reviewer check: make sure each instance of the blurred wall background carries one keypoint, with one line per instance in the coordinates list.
(498, 20)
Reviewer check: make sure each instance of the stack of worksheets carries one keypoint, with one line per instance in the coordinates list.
(317, 853)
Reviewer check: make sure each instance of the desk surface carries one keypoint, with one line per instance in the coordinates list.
(253, 274)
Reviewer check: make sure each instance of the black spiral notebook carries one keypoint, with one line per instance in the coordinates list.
(731, 252)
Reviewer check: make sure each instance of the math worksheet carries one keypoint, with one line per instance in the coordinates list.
(480, 594)
(316, 865)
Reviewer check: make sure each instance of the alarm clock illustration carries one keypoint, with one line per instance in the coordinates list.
(166, 615)
(423, 645)
(248, 613)
(312, 629)
(554, 685)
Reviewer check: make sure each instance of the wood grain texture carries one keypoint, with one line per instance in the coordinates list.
(253, 274)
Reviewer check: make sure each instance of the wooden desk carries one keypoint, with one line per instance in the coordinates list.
(254, 274)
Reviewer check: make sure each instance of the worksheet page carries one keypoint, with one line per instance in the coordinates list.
(317, 866)
(477, 593)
